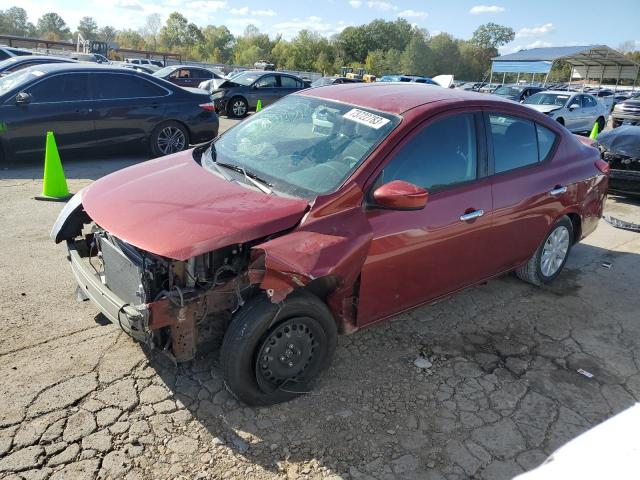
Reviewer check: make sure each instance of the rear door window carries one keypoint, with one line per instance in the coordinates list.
(289, 82)
(514, 142)
(518, 142)
(110, 86)
(67, 87)
(443, 154)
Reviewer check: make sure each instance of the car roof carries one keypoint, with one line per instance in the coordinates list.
(394, 97)
(31, 58)
(70, 67)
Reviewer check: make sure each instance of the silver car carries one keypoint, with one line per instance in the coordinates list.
(575, 110)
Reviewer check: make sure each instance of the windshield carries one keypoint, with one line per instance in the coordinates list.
(302, 146)
(247, 78)
(543, 98)
(18, 78)
(508, 91)
(163, 72)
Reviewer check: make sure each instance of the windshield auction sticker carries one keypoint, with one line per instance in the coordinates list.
(366, 118)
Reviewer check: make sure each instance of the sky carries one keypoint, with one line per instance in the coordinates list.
(537, 23)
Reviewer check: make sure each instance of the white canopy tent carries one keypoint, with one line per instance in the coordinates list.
(587, 62)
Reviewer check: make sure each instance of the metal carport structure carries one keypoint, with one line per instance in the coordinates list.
(587, 61)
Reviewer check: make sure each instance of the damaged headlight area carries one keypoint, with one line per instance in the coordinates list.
(179, 307)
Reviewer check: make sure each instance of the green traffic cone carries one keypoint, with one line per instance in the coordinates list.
(259, 106)
(594, 131)
(54, 185)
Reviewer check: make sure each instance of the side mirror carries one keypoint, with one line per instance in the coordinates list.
(573, 106)
(400, 195)
(23, 98)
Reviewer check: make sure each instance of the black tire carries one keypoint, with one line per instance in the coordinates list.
(237, 107)
(601, 124)
(263, 330)
(561, 121)
(532, 271)
(167, 138)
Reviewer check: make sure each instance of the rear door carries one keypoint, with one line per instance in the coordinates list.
(60, 103)
(199, 75)
(527, 192)
(575, 118)
(289, 85)
(127, 107)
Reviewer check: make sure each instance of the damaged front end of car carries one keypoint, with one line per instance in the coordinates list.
(620, 148)
(184, 306)
(178, 307)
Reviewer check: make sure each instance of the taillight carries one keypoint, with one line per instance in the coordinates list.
(209, 107)
(603, 166)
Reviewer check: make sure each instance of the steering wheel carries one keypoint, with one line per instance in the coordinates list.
(331, 167)
(352, 160)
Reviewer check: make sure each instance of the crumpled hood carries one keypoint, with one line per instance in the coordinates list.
(175, 208)
(543, 108)
(624, 140)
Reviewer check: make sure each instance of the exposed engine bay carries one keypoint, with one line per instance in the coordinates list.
(190, 303)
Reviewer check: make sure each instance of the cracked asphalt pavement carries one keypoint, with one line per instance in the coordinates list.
(499, 390)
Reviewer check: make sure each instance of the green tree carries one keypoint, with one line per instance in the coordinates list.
(88, 28)
(151, 29)
(218, 43)
(492, 35)
(107, 34)
(52, 27)
(178, 32)
(445, 54)
(375, 63)
(323, 63)
(416, 58)
(14, 21)
(130, 39)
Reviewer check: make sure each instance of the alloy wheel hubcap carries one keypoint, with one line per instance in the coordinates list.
(554, 251)
(287, 353)
(239, 108)
(171, 140)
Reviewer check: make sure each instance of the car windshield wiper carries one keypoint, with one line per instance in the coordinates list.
(259, 182)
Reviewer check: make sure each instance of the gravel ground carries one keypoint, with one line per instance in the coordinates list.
(494, 391)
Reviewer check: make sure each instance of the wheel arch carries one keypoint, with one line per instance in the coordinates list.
(576, 222)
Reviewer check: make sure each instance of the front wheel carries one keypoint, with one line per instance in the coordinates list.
(272, 353)
(168, 138)
(548, 261)
(601, 124)
(237, 107)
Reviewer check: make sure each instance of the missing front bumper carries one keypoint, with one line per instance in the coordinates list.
(134, 320)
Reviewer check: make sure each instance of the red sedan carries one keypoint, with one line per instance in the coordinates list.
(329, 211)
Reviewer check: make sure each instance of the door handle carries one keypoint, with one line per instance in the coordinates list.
(471, 215)
(558, 191)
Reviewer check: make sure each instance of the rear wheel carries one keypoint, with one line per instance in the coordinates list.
(168, 138)
(272, 353)
(548, 261)
(237, 107)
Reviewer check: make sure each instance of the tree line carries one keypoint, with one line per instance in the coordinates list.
(380, 46)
